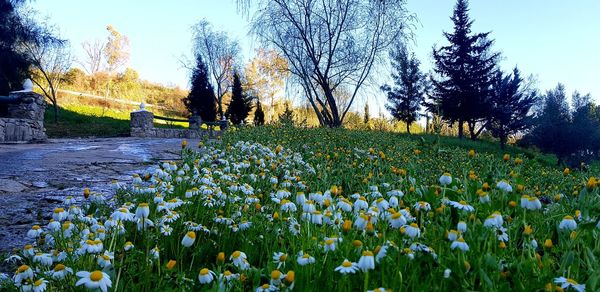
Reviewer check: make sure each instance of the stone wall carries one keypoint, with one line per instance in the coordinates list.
(142, 125)
(25, 118)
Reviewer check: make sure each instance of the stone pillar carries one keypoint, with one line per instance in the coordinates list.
(29, 109)
(141, 123)
(195, 122)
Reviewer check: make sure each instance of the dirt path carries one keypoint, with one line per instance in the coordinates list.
(34, 178)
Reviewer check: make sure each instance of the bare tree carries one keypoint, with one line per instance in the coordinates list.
(220, 54)
(50, 58)
(94, 60)
(331, 45)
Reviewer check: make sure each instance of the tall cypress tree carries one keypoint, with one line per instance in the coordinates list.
(201, 100)
(408, 92)
(240, 105)
(259, 114)
(465, 69)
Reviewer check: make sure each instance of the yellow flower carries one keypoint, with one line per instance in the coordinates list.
(86, 193)
(548, 243)
(184, 144)
(528, 230)
(566, 171)
(471, 153)
(171, 264)
(506, 157)
(220, 258)
(591, 183)
(290, 277)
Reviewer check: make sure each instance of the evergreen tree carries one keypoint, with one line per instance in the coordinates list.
(585, 128)
(465, 67)
(14, 63)
(511, 104)
(201, 100)
(287, 117)
(367, 116)
(551, 132)
(240, 105)
(259, 114)
(408, 93)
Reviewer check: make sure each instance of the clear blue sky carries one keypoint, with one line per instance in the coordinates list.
(556, 40)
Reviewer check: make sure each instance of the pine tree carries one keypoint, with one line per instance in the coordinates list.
(367, 116)
(201, 100)
(551, 132)
(408, 92)
(511, 104)
(259, 114)
(465, 68)
(240, 105)
(287, 117)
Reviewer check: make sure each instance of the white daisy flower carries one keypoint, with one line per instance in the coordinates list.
(347, 267)
(123, 214)
(568, 223)
(503, 185)
(461, 226)
(445, 179)
(569, 283)
(305, 259)
(460, 244)
(94, 280)
(188, 239)
(206, 276)
(366, 261)
(412, 230)
(39, 285)
(462, 205)
(60, 271)
(142, 211)
(35, 231)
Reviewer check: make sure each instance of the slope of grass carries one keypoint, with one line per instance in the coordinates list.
(92, 121)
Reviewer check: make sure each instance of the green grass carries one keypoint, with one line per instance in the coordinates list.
(93, 121)
(84, 122)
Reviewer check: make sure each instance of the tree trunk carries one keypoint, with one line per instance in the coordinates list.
(472, 130)
(55, 112)
(460, 129)
(408, 128)
(502, 142)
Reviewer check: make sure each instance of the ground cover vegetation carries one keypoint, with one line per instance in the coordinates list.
(332, 208)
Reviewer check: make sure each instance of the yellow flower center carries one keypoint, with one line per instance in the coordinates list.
(347, 264)
(123, 210)
(23, 268)
(191, 235)
(96, 276)
(143, 205)
(329, 241)
(59, 267)
(204, 272)
(38, 282)
(236, 254)
(367, 253)
(571, 281)
(463, 203)
(105, 257)
(568, 217)
(265, 286)
(59, 210)
(283, 257)
(414, 225)
(305, 256)
(227, 273)
(276, 274)
(35, 227)
(460, 239)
